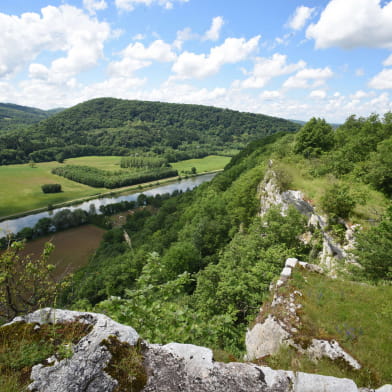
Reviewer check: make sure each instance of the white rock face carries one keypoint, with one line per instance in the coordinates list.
(304, 382)
(291, 262)
(331, 350)
(85, 370)
(197, 359)
(264, 339)
(385, 388)
(173, 367)
(286, 273)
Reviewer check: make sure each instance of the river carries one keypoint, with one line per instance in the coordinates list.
(15, 225)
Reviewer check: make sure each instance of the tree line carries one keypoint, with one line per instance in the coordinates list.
(108, 126)
(107, 179)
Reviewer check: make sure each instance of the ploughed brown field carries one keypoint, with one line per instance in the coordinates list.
(73, 248)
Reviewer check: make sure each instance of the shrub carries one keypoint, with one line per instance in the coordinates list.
(51, 188)
(338, 201)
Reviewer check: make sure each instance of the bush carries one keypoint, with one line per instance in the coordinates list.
(338, 201)
(51, 188)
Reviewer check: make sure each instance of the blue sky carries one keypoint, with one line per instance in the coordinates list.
(288, 58)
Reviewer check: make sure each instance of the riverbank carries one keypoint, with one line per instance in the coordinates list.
(116, 192)
(104, 199)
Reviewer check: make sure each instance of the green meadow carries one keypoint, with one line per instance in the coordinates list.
(20, 189)
(202, 165)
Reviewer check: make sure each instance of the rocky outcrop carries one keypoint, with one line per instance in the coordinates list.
(172, 367)
(84, 371)
(272, 196)
(269, 333)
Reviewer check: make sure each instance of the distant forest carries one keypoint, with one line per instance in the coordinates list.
(108, 126)
(14, 117)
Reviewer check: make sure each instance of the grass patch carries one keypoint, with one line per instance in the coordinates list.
(314, 188)
(24, 345)
(202, 165)
(21, 190)
(357, 315)
(126, 365)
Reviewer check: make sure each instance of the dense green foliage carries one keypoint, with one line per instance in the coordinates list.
(14, 117)
(361, 149)
(374, 250)
(108, 179)
(141, 162)
(25, 284)
(51, 188)
(109, 126)
(314, 138)
(196, 269)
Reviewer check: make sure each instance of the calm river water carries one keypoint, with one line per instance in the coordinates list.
(15, 225)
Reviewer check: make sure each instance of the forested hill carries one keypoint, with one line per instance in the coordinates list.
(14, 117)
(108, 126)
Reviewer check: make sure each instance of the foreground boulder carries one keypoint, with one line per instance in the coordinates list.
(172, 367)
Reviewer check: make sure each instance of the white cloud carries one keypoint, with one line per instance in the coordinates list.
(359, 72)
(136, 56)
(182, 36)
(213, 33)
(129, 5)
(360, 94)
(94, 5)
(233, 50)
(383, 80)
(267, 68)
(309, 78)
(38, 71)
(300, 17)
(158, 51)
(319, 94)
(138, 37)
(270, 94)
(353, 23)
(388, 61)
(65, 29)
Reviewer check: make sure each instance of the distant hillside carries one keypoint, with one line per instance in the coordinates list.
(108, 126)
(15, 116)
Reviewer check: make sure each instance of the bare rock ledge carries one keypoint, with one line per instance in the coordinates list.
(172, 367)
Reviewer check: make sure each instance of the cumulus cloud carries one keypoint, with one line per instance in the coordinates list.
(309, 78)
(300, 17)
(136, 56)
(353, 23)
(270, 94)
(94, 5)
(360, 94)
(388, 61)
(65, 29)
(233, 50)
(129, 5)
(383, 80)
(267, 68)
(319, 94)
(182, 36)
(213, 33)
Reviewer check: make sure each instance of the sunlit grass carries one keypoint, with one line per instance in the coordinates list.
(206, 164)
(357, 315)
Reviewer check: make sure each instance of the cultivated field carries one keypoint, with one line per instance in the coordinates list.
(73, 248)
(20, 189)
(206, 164)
